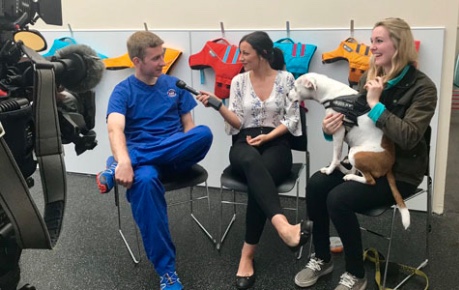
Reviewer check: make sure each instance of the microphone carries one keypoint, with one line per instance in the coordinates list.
(213, 102)
(78, 67)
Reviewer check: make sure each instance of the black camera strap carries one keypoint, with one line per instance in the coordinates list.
(31, 230)
(17, 203)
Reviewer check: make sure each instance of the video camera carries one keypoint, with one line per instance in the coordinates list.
(44, 103)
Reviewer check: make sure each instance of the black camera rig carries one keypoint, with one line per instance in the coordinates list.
(44, 103)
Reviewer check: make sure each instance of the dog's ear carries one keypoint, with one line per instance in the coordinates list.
(308, 83)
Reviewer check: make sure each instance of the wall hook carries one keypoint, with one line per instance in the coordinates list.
(70, 29)
(352, 28)
(287, 24)
(222, 28)
(146, 26)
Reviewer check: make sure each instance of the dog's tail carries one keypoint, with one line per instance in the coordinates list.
(399, 200)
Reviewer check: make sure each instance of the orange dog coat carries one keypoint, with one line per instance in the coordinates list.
(357, 54)
(123, 61)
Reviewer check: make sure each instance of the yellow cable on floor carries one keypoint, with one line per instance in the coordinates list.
(372, 255)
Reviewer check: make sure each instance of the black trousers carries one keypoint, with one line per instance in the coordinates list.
(9, 263)
(263, 168)
(329, 197)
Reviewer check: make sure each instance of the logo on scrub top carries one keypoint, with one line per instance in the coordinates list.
(171, 93)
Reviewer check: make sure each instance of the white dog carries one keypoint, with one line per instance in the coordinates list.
(370, 153)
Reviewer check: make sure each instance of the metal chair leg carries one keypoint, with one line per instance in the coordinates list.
(212, 239)
(389, 247)
(429, 216)
(233, 218)
(428, 231)
(117, 203)
(299, 254)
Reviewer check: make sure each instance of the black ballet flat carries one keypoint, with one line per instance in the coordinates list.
(247, 281)
(305, 233)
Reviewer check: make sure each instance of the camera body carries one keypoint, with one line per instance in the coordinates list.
(42, 106)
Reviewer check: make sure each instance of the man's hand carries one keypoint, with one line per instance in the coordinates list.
(124, 174)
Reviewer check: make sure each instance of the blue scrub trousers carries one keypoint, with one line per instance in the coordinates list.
(175, 153)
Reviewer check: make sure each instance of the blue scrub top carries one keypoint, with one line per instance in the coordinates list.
(152, 112)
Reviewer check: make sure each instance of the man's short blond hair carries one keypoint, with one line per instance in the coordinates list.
(139, 41)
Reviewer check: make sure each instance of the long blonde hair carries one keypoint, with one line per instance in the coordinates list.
(405, 50)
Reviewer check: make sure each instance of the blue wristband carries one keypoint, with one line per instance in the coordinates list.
(328, 137)
(376, 112)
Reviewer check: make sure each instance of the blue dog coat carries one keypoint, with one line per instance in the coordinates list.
(297, 56)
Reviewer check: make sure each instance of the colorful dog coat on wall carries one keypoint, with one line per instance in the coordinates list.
(63, 42)
(223, 57)
(121, 62)
(357, 54)
(297, 56)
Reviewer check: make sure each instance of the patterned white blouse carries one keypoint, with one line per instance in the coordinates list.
(253, 112)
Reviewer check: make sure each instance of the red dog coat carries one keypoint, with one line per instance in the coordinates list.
(223, 57)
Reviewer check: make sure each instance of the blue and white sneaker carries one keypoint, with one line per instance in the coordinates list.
(106, 179)
(170, 281)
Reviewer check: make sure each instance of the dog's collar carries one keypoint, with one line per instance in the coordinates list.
(351, 106)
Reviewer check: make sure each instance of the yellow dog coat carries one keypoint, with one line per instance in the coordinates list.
(123, 61)
(357, 54)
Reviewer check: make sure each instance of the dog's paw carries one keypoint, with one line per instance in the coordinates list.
(327, 170)
(347, 177)
(354, 177)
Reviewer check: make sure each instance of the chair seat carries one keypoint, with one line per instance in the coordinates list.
(377, 211)
(195, 175)
(236, 183)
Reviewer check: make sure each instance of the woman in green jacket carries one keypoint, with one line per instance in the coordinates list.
(402, 101)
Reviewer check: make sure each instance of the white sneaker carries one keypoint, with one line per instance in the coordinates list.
(350, 282)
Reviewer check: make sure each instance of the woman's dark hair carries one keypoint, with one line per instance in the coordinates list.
(263, 45)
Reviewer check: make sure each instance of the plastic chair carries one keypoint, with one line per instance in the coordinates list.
(190, 178)
(235, 184)
(375, 212)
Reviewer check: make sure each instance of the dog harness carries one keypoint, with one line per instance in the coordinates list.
(351, 106)
(357, 54)
(223, 58)
(297, 56)
(123, 61)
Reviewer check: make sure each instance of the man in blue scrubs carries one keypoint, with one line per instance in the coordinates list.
(151, 132)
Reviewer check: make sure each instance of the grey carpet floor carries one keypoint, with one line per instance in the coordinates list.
(91, 255)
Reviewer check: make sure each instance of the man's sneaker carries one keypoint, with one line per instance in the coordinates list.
(312, 271)
(350, 282)
(106, 179)
(170, 281)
